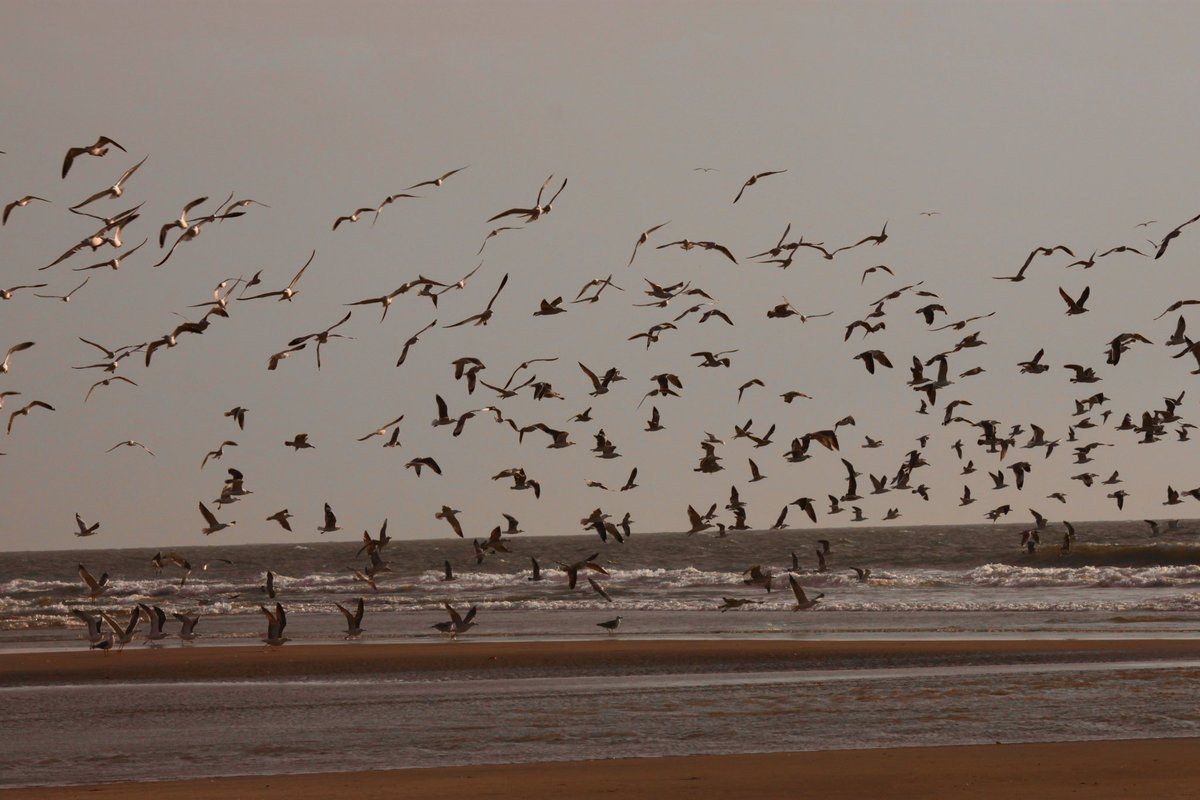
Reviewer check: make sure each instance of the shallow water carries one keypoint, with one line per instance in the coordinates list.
(252, 727)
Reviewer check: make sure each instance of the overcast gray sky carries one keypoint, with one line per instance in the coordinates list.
(1022, 124)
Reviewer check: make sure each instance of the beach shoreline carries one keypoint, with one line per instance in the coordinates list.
(1098, 769)
(462, 658)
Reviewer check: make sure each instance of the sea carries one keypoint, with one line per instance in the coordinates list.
(1114, 580)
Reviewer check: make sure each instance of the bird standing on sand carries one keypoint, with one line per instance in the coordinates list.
(457, 623)
(353, 620)
(187, 631)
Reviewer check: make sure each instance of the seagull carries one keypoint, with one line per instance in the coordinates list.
(330, 521)
(21, 203)
(802, 601)
(880, 268)
(754, 576)
(436, 181)
(16, 348)
(426, 461)
(130, 443)
(213, 526)
(188, 630)
(24, 411)
(181, 222)
(116, 190)
(289, 292)
(1037, 251)
(124, 635)
(631, 483)
(220, 451)
(98, 149)
(239, 416)
(351, 217)
(736, 602)
(84, 528)
(1075, 306)
(93, 625)
(113, 263)
(610, 625)
(697, 522)
(381, 431)
(753, 179)
(645, 235)
(484, 316)
(572, 570)
(535, 213)
(457, 624)
(157, 619)
(95, 587)
(872, 357)
(367, 579)
(282, 518)
(1166, 240)
(599, 589)
(461, 283)
(387, 201)
(299, 442)
(688, 244)
(7, 294)
(275, 624)
(747, 385)
(449, 514)
(496, 232)
(536, 574)
(412, 340)
(353, 620)
(66, 298)
(385, 301)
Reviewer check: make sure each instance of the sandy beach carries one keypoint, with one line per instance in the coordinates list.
(294, 661)
(1162, 768)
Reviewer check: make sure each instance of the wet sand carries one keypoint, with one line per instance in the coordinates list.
(299, 660)
(1095, 770)
(1134, 768)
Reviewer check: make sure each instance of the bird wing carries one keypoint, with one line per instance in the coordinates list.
(797, 590)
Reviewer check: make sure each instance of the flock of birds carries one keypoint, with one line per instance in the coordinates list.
(932, 376)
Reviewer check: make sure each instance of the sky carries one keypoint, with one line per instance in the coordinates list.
(1021, 124)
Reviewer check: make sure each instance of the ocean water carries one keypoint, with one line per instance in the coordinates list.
(926, 582)
(1116, 580)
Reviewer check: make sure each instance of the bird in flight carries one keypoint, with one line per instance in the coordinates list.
(1075, 306)
(212, 525)
(116, 190)
(24, 201)
(288, 292)
(436, 181)
(484, 316)
(84, 528)
(753, 179)
(642, 239)
(538, 210)
(100, 148)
